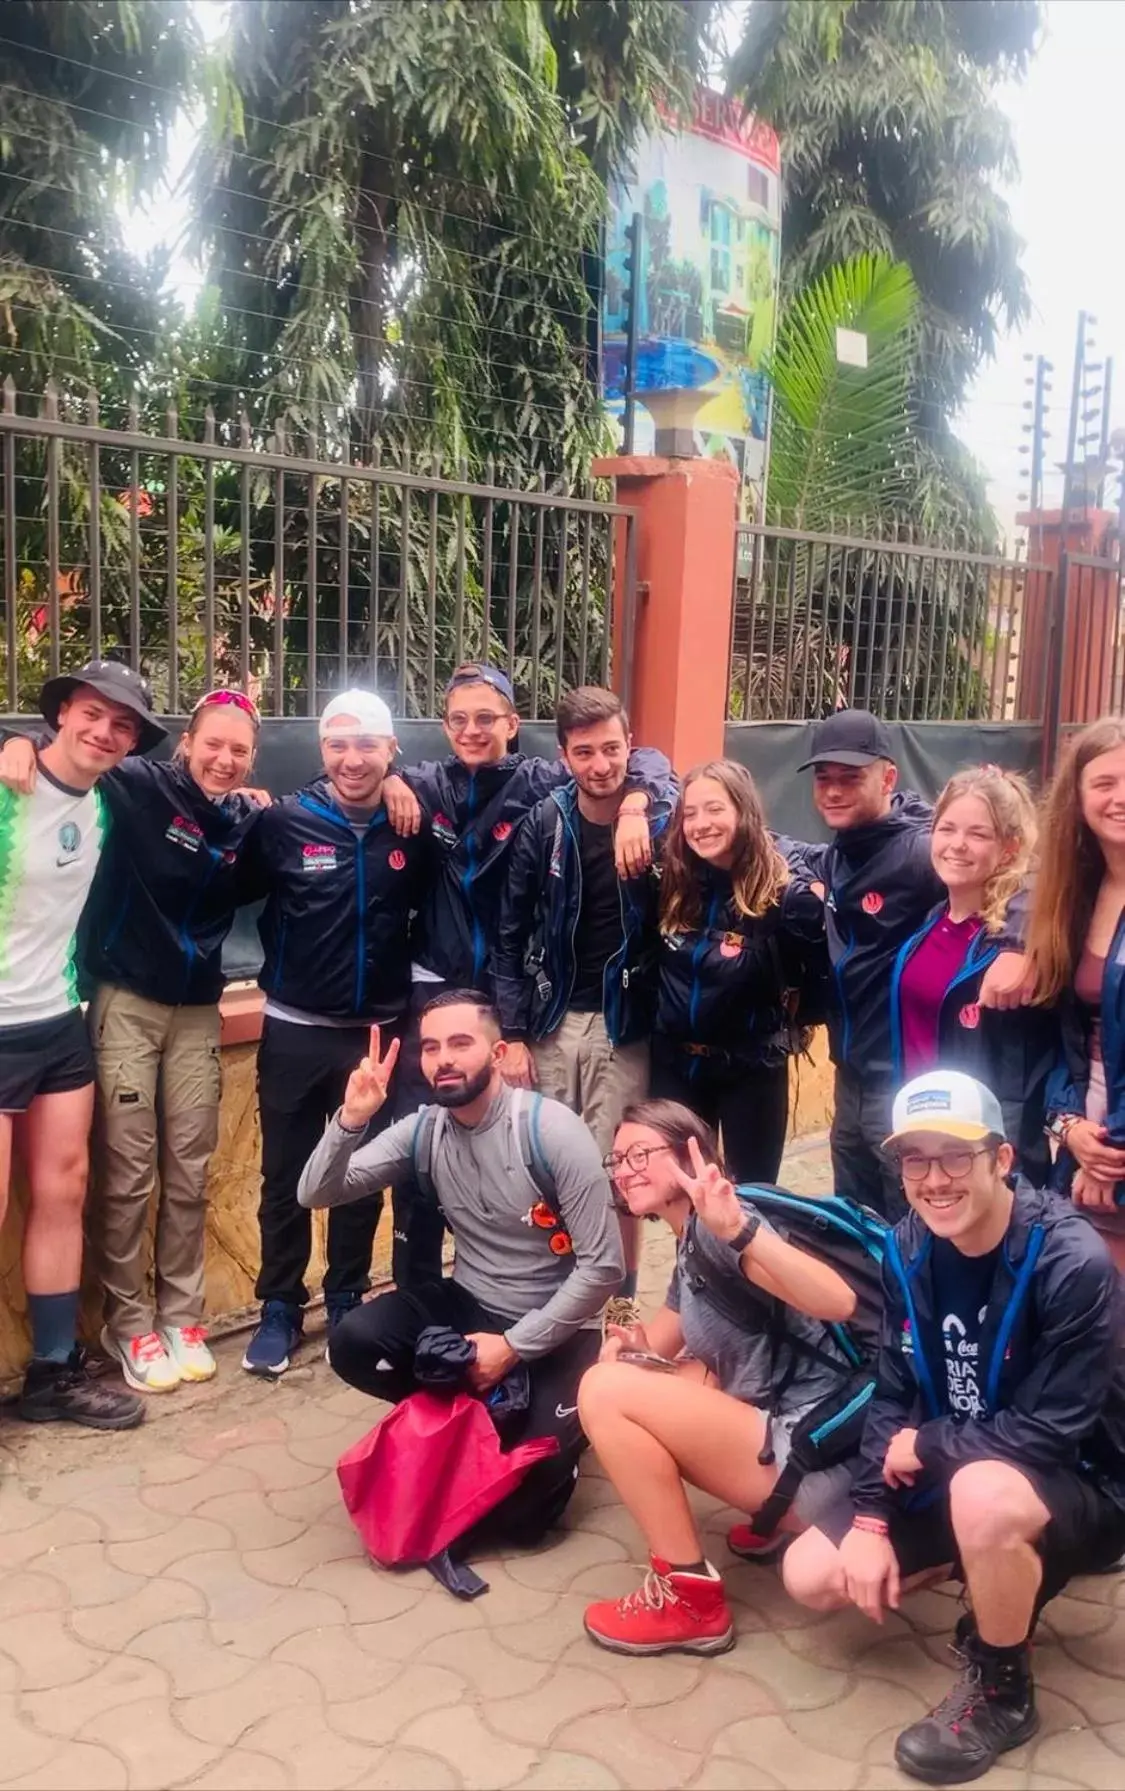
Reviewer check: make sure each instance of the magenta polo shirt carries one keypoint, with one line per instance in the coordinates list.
(928, 974)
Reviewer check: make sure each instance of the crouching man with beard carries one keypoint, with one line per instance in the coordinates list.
(537, 1247)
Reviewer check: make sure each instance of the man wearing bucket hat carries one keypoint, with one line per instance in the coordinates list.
(994, 1447)
(50, 844)
(341, 887)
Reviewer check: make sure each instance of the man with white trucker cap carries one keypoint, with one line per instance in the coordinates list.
(994, 1447)
(340, 886)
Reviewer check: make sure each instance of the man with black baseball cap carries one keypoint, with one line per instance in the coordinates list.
(879, 885)
(50, 844)
(993, 1449)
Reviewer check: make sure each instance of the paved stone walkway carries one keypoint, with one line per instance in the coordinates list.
(189, 1606)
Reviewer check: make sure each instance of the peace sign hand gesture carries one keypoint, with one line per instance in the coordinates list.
(368, 1084)
(712, 1196)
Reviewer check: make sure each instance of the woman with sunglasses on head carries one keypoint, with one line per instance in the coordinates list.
(1076, 962)
(982, 846)
(744, 1371)
(739, 932)
(151, 942)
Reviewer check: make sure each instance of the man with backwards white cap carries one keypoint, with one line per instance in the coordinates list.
(994, 1447)
(341, 886)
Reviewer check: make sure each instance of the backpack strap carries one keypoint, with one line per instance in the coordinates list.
(527, 1107)
(422, 1149)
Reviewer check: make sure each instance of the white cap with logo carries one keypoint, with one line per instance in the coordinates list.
(354, 713)
(949, 1103)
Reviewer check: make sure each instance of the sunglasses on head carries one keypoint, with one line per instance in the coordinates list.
(229, 699)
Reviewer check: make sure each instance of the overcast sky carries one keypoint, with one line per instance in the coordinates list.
(1069, 120)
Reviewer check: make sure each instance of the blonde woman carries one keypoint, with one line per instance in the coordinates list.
(740, 933)
(982, 846)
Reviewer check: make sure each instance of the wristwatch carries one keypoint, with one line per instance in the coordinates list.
(1060, 1125)
(746, 1233)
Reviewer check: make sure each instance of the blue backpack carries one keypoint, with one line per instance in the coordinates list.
(850, 1238)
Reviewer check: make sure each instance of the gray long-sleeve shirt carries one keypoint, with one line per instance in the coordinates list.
(500, 1256)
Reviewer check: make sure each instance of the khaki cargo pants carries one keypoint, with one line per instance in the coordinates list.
(576, 1064)
(159, 1081)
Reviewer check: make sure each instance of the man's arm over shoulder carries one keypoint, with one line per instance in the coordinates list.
(1078, 1306)
(809, 860)
(566, 1145)
(519, 907)
(341, 1169)
(650, 771)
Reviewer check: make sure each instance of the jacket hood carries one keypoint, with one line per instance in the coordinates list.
(909, 812)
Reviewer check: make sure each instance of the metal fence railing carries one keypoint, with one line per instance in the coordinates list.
(910, 630)
(218, 559)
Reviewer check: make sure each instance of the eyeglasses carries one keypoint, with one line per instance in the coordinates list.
(484, 719)
(635, 1158)
(232, 699)
(952, 1163)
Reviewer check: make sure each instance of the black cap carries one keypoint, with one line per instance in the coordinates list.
(850, 737)
(118, 684)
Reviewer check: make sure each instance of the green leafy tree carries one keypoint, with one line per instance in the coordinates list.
(88, 92)
(894, 143)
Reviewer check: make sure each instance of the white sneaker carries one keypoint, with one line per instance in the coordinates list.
(145, 1362)
(187, 1346)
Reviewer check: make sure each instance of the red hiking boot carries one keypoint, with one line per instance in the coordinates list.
(744, 1541)
(672, 1613)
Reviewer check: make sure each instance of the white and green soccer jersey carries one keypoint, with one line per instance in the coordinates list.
(50, 843)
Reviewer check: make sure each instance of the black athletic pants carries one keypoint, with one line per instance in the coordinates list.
(860, 1167)
(750, 1106)
(372, 1348)
(302, 1074)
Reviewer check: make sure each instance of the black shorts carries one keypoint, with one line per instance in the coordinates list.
(46, 1057)
(1086, 1533)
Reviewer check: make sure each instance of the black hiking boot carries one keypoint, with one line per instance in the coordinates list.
(71, 1392)
(989, 1710)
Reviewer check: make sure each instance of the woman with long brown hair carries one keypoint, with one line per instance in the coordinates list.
(740, 933)
(982, 845)
(1076, 962)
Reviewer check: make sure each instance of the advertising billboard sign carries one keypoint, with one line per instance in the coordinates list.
(708, 192)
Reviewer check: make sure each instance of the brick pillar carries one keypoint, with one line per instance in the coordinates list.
(685, 578)
(1085, 660)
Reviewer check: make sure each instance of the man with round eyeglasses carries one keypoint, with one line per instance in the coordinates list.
(994, 1448)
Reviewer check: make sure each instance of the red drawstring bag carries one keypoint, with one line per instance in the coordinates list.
(427, 1473)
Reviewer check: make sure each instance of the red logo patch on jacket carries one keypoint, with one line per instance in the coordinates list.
(970, 1015)
(397, 860)
(730, 945)
(872, 902)
(501, 830)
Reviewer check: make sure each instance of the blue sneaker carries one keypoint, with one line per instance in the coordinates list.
(336, 1307)
(277, 1336)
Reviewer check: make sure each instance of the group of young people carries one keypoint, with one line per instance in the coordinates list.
(529, 997)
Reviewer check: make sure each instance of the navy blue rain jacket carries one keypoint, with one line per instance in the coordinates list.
(722, 985)
(475, 815)
(166, 889)
(1052, 1363)
(1070, 1078)
(1012, 1053)
(879, 887)
(336, 926)
(535, 961)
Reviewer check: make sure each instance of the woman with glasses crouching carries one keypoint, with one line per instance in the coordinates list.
(716, 1401)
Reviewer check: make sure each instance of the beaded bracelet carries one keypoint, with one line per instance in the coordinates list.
(874, 1526)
